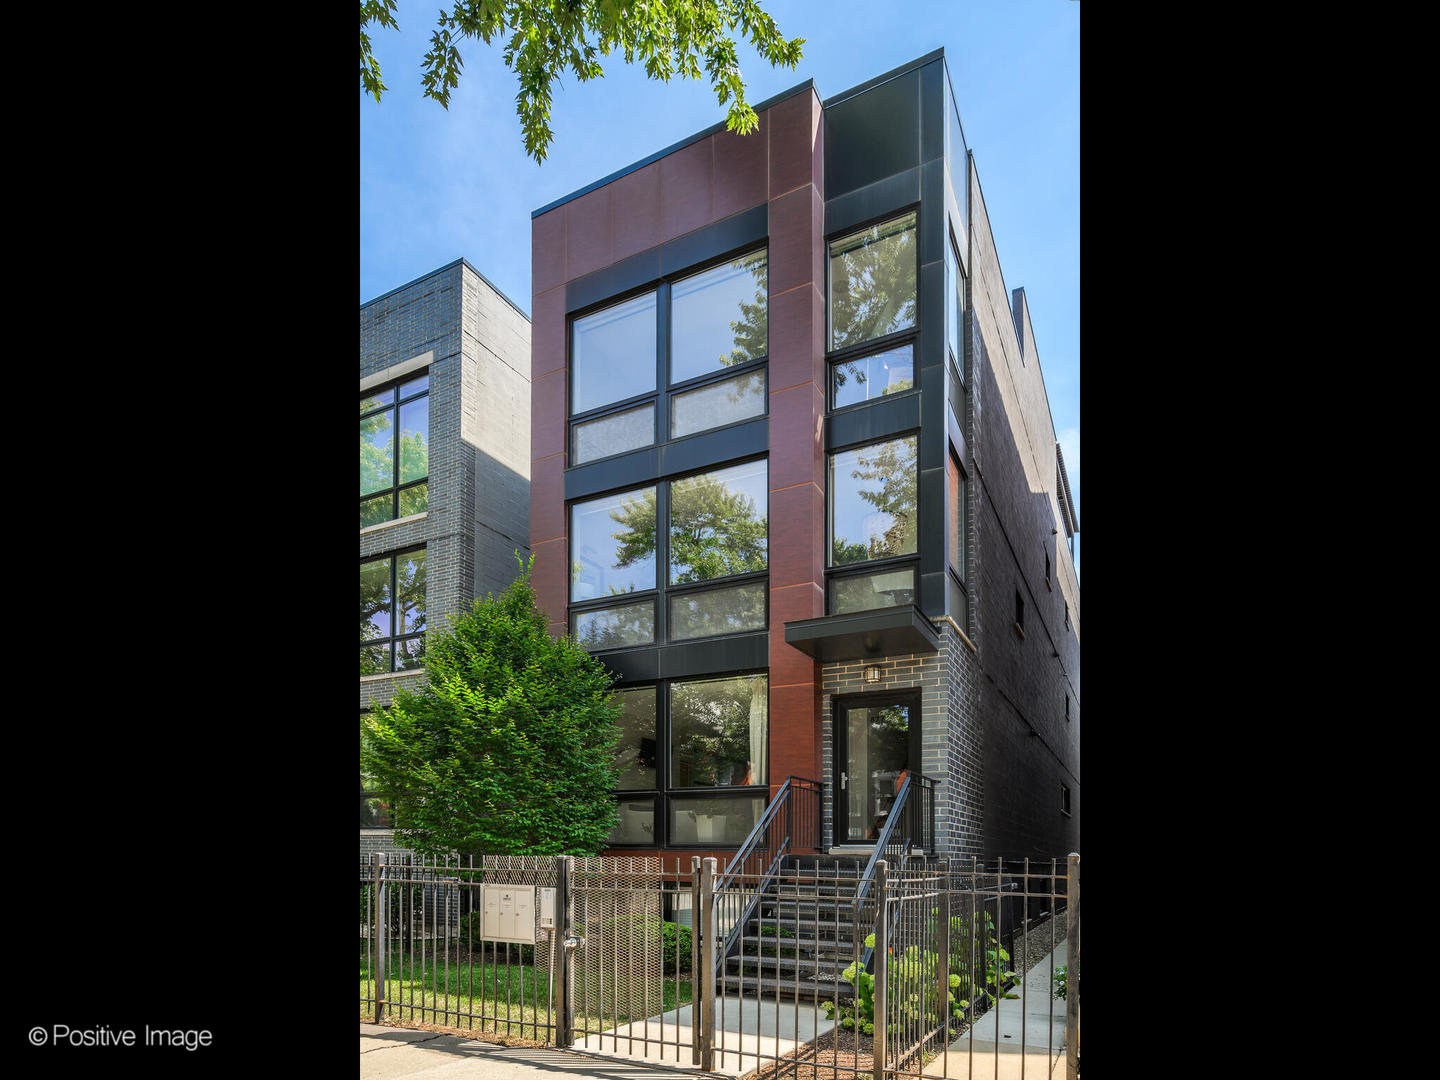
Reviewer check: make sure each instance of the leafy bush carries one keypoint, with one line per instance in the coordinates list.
(858, 1011)
(1059, 978)
(916, 967)
(399, 900)
(508, 746)
(981, 931)
(669, 932)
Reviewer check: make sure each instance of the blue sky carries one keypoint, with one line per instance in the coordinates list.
(436, 185)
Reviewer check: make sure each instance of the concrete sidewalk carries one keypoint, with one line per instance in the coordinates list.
(1027, 1033)
(766, 1030)
(390, 1053)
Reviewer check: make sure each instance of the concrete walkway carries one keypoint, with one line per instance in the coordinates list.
(737, 1046)
(1014, 1034)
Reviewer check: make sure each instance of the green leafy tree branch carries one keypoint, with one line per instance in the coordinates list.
(544, 39)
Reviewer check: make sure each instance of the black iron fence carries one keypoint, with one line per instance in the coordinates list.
(826, 969)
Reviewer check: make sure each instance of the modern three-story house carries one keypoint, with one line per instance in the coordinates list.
(795, 480)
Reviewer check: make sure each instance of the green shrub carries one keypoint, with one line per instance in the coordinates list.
(396, 901)
(670, 932)
(1059, 978)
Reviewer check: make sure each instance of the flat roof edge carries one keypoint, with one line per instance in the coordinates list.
(462, 261)
(894, 73)
(808, 84)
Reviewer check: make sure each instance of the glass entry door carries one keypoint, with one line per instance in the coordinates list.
(876, 737)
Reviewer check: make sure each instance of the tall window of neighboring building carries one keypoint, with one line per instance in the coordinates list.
(693, 761)
(694, 349)
(394, 451)
(392, 613)
(872, 494)
(712, 532)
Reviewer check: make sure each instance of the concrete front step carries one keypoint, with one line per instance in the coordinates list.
(786, 966)
(808, 945)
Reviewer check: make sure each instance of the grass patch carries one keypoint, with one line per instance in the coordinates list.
(487, 996)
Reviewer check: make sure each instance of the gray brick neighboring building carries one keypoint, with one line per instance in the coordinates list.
(469, 468)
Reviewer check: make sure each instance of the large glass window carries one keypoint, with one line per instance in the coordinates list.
(714, 528)
(714, 347)
(612, 545)
(719, 732)
(392, 613)
(954, 331)
(717, 404)
(613, 433)
(888, 372)
(873, 495)
(873, 282)
(708, 784)
(613, 354)
(394, 451)
(873, 498)
(636, 755)
(955, 498)
(712, 612)
(718, 523)
(719, 318)
(862, 592)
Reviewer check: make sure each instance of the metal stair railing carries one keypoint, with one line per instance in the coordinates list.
(910, 824)
(790, 823)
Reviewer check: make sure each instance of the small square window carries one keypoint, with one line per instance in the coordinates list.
(1064, 800)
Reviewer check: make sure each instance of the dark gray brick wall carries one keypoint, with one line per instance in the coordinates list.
(1028, 747)
(950, 733)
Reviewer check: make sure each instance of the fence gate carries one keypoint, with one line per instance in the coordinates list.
(633, 985)
(966, 964)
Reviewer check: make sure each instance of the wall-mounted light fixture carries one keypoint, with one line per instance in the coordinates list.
(872, 673)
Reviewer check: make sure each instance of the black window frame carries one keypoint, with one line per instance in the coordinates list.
(861, 350)
(665, 391)
(956, 362)
(871, 566)
(664, 794)
(395, 404)
(393, 639)
(1065, 799)
(962, 508)
(1019, 613)
(858, 350)
(663, 592)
